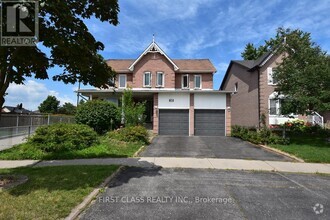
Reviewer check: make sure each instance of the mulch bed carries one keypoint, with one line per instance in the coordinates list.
(10, 181)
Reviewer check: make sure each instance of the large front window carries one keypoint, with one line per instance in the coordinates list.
(147, 79)
(185, 81)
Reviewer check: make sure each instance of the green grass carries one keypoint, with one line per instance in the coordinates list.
(106, 148)
(311, 148)
(50, 192)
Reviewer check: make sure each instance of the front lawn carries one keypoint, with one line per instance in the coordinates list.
(311, 148)
(50, 192)
(106, 148)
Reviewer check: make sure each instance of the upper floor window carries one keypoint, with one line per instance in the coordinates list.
(236, 87)
(198, 81)
(185, 81)
(122, 81)
(160, 79)
(270, 76)
(147, 79)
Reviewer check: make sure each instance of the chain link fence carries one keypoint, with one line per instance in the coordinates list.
(15, 125)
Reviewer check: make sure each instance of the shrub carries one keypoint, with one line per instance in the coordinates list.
(262, 136)
(63, 137)
(131, 134)
(133, 112)
(102, 116)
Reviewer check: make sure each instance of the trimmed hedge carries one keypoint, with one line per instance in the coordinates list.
(100, 115)
(262, 136)
(131, 134)
(63, 137)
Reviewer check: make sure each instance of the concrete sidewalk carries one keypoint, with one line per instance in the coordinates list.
(16, 163)
(200, 163)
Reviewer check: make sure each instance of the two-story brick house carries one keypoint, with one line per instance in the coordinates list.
(255, 100)
(178, 92)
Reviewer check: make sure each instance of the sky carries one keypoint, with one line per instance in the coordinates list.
(188, 29)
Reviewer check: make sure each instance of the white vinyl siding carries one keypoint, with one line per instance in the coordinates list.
(160, 79)
(198, 81)
(122, 81)
(185, 81)
(147, 79)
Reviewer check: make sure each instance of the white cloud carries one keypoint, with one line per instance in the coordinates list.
(31, 94)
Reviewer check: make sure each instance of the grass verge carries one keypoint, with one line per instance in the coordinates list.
(50, 192)
(106, 148)
(311, 148)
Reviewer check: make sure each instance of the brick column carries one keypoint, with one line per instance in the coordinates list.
(155, 115)
(228, 114)
(191, 116)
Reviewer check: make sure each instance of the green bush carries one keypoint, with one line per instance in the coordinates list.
(63, 137)
(102, 116)
(262, 136)
(134, 113)
(131, 134)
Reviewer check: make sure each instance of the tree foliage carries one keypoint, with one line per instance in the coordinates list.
(49, 105)
(71, 46)
(100, 115)
(67, 109)
(304, 75)
(133, 112)
(252, 53)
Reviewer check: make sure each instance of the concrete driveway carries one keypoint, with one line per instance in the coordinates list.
(208, 147)
(146, 193)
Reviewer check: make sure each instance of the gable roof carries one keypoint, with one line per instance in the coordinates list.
(152, 48)
(185, 65)
(179, 65)
(250, 65)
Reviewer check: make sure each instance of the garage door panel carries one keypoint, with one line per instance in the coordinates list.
(209, 122)
(174, 122)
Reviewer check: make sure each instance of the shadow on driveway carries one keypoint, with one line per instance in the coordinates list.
(208, 147)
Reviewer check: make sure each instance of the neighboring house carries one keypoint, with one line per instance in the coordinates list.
(255, 101)
(15, 110)
(179, 94)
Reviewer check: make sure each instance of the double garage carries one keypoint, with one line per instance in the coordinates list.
(199, 114)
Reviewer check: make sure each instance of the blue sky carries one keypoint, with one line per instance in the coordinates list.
(214, 29)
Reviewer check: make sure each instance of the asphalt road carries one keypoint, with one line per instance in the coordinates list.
(207, 147)
(150, 193)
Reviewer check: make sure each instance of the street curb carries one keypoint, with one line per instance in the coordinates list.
(283, 153)
(75, 212)
(136, 154)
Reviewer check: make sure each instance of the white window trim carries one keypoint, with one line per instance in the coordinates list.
(182, 81)
(270, 79)
(119, 80)
(163, 81)
(200, 83)
(150, 79)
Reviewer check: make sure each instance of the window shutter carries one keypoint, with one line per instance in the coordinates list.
(270, 75)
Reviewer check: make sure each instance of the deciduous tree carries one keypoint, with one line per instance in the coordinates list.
(71, 45)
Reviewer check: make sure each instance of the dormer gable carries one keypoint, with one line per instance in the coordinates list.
(153, 48)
